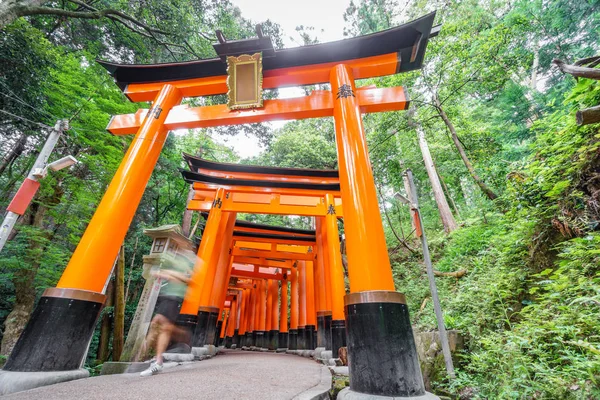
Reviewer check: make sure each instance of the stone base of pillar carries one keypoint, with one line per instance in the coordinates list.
(178, 357)
(260, 339)
(217, 340)
(16, 381)
(283, 341)
(293, 339)
(320, 329)
(273, 341)
(57, 336)
(338, 336)
(318, 352)
(327, 326)
(348, 394)
(253, 339)
(236, 338)
(228, 341)
(199, 336)
(213, 329)
(382, 355)
(310, 337)
(301, 344)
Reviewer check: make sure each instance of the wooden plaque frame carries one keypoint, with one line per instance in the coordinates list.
(244, 81)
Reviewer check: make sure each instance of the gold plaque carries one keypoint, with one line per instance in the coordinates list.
(244, 81)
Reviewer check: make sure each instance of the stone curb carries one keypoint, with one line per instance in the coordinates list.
(321, 390)
(15, 381)
(347, 394)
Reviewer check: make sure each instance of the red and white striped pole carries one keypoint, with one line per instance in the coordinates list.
(31, 184)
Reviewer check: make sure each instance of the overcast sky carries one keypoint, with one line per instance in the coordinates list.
(326, 16)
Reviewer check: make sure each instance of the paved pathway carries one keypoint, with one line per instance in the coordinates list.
(232, 375)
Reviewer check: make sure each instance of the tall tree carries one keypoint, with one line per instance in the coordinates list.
(442, 204)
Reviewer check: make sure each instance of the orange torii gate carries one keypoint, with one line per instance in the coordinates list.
(228, 189)
(381, 350)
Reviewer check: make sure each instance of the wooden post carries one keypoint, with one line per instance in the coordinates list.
(432, 286)
(119, 326)
(440, 199)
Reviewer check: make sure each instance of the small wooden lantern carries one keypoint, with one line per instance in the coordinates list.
(244, 81)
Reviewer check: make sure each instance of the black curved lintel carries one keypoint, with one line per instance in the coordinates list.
(246, 224)
(309, 239)
(191, 177)
(409, 41)
(196, 162)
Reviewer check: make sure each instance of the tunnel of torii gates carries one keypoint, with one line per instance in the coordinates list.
(381, 350)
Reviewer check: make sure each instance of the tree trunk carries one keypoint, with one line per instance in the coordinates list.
(105, 325)
(448, 196)
(577, 71)
(14, 153)
(23, 278)
(186, 222)
(438, 192)
(10, 9)
(534, 66)
(588, 116)
(119, 326)
(484, 188)
(407, 190)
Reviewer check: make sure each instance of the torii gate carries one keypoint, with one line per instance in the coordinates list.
(226, 189)
(381, 349)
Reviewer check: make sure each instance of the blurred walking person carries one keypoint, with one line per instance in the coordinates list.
(175, 274)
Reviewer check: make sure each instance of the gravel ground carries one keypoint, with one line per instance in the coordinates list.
(235, 374)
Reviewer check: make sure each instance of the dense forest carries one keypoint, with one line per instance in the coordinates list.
(509, 183)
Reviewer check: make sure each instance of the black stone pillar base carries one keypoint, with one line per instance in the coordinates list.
(301, 338)
(327, 326)
(293, 339)
(236, 338)
(254, 339)
(310, 337)
(212, 333)
(199, 338)
(282, 340)
(338, 336)
(218, 338)
(57, 336)
(320, 329)
(382, 356)
(273, 339)
(188, 324)
(228, 341)
(348, 394)
(260, 339)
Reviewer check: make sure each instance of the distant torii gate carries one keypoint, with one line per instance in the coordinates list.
(381, 349)
(224, 189)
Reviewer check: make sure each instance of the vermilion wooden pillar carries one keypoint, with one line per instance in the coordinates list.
(283, 314)
(231, 322)
(294, 309)
(322, 285)
(382, 356)
(336, 270)
(302, 301)
(262, 319)
(269, 312)
(311, 313)
(274, 314)
(58, 333)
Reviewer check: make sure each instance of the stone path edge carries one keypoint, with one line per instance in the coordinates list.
(319, 391)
